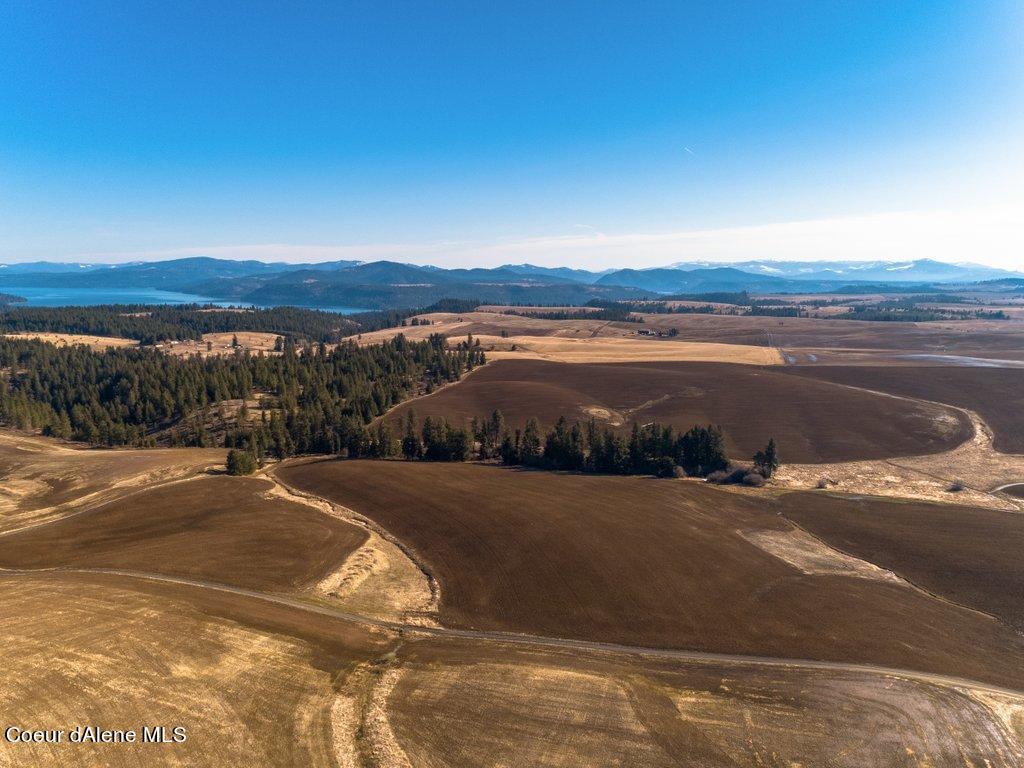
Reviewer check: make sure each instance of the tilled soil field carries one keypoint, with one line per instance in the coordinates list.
(653, 563)
(997, 394)
(218, 528)
(970, 556)
(812, 421)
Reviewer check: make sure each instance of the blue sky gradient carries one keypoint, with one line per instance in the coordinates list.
(590, 134)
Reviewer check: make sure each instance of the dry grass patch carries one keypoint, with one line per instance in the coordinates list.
(98, 343)
(44, 479)
(811, 555)
(96, 653)
(461, 705)
(619, 350)
(215, 344)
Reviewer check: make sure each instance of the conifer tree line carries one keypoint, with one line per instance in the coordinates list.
(319, 400)
(650, 449)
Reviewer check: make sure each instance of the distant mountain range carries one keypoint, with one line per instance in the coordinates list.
(383, 284)
(919, 271)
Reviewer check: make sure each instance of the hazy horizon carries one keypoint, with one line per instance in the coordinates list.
(187, 253)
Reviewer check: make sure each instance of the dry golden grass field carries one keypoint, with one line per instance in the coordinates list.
(979, 338)
(623, 350)
(41, 479)
(70, 339)
(213, 344)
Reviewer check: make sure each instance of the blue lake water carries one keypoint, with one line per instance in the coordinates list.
(90, 297)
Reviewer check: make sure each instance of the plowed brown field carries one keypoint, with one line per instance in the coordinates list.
(648, 562)
(223, 529)
(995, 393)
(811, 421)
(970, 556)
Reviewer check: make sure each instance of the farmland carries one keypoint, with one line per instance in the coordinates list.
(343, 612)
(970, 556)
(814, 421)
(463, 705)
(512, 385)
(249, 684)
(201, 603)
(646, 562)
(45, 480)
(978, 338)
(997, 394)
(192, 529)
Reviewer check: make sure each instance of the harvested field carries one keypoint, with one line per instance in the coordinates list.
(980, 338)
(84, 651)
(252, 681)
(573, 341)
(648, 562)
(490, 324)
(285, 678)
(223, 529)
(812, 422)
(459, 705)
(504, 309)
(997, 394)
(70, 339)
(970, 556)
(623, 350)
(43, 479)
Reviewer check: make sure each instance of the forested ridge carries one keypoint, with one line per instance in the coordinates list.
(314, 399)
(152, 324)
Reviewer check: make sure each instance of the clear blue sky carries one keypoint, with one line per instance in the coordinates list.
(555, 132)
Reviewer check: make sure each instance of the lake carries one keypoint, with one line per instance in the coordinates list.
(90, 297)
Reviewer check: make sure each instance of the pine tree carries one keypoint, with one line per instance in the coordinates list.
(240, 462)
(767, 461)
(530, 450)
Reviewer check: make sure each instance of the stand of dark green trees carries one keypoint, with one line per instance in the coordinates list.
(651, 449)
(313, 399)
